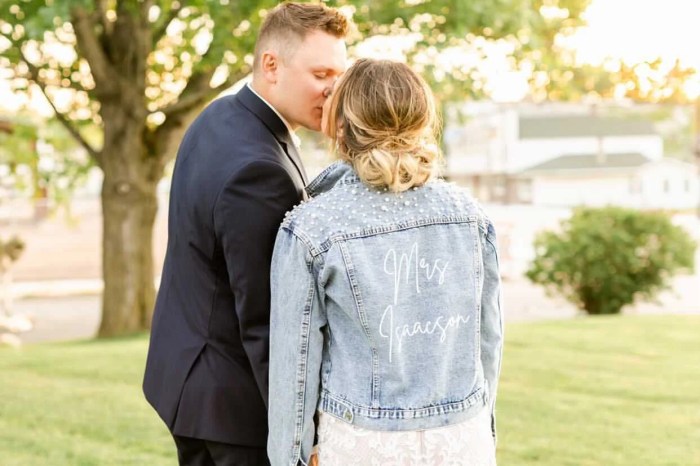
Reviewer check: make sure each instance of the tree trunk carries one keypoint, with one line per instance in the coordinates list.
(129, 206)
(127, 260)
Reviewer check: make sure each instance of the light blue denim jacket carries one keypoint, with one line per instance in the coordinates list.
(385, 311)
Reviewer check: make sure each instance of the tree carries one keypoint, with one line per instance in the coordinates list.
(604, 259)
(39, 159)
(142, 69)
(646, 82)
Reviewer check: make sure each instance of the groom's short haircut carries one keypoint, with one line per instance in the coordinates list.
(286, 26)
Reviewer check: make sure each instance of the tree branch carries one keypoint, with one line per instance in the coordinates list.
(181, 113)
(145, 10)
(101, 13)
(34, 72)
(89, 43)
(196, 90)
(162, 27)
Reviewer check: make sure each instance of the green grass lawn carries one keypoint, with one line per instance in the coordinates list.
(597, 391)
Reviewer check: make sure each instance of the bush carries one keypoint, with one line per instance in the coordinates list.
(10, 251)
(604, 259)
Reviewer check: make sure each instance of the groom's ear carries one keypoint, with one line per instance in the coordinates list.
(269, 65)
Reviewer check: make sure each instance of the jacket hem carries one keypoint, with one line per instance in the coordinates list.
(402, 419)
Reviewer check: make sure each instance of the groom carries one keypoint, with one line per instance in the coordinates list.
(237, 172)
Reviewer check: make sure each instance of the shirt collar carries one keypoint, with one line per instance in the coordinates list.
(295, 139)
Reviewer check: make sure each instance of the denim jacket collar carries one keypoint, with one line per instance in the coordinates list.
(337, 173)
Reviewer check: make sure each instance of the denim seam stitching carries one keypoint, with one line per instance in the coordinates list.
(329, 399)
(478, 287)
(350, 267)
(393, 228)
(301, 368)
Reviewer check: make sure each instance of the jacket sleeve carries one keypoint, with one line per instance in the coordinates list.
(247, 215)
(491, 321)
(296, 346)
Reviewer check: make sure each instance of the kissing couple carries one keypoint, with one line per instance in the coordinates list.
(353, 319)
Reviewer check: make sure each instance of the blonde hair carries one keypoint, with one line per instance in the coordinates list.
(383, 121)
(288, 23)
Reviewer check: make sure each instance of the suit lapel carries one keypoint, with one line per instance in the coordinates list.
(292, 153)
(276, 126)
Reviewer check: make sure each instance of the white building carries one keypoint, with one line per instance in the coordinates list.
(567, 157)
(629, 180)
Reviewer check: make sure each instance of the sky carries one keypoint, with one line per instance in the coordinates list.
(639, 30)
(635, 30)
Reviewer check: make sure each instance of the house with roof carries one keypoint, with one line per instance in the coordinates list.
(626, 179)
(563, 159)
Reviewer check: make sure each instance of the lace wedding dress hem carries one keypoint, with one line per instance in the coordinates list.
(468, 443)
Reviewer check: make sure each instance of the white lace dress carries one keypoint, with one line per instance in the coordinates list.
(466, 444)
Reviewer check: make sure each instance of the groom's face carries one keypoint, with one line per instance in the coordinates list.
(325, 120)
(306, 76)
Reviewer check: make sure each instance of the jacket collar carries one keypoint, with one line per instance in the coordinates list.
(338, 173)
(274, 123)
(266, 114)
(293, 136)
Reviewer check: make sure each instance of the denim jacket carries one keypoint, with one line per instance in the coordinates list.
(385, 311)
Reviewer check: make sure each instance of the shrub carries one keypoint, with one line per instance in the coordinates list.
(603, 259)
(10, 251)
(10, 324)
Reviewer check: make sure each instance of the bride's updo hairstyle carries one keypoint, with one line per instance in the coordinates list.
(383, 121)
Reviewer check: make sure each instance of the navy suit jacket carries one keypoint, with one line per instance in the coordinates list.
(236, 174)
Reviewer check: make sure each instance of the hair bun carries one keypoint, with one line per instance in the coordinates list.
(388, 119)
(394, 167)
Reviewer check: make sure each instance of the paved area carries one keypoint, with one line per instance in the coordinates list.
(60, 319)
(65, 246)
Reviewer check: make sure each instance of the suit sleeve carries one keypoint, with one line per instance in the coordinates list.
(247, 215)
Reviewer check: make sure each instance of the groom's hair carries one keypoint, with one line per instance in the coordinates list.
(286, 26)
